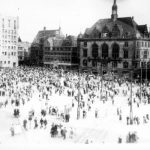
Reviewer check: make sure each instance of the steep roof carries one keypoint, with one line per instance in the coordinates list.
(125, 24)
(127, 20)
(142, 28)
(45, 34)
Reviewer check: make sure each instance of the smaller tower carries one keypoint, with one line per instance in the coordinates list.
(114, 14)
(59, 30)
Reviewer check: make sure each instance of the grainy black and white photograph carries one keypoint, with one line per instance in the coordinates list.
(74, 73)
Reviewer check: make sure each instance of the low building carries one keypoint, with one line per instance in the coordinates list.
(23, 52)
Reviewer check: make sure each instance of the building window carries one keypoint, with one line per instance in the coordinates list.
(148, 44)
(126, 34)
(85, 44)
(142, 44)
(115, 51)
(145, 44)
(114, 64)
(115, 31)
(100, 35)
(143, 64)
(94, 50)
(148, 64)
(3, 23)
(14, 64)
(104, 50)
(14, 24)
(137, 54)
(126, 44)
(125, 64)
(8, 23)
(145, 54)
(125, 53)
(84, 52)
(94, 63)
(105, 32)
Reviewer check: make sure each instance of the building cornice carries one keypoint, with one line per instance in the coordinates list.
(110, 39)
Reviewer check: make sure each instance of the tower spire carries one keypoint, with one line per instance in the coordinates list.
(114, 14)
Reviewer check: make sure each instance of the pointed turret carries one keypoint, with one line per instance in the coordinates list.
(114, 14)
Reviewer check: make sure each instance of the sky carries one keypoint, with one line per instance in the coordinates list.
(73, 16)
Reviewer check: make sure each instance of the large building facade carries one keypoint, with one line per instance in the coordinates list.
(9, 41)
(114, 45)
(52, 49)
(37, 46)
(61, 53)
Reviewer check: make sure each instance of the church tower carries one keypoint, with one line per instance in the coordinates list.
(114, 14)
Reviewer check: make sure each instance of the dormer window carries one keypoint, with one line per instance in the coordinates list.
(105, 31)
(85, 44)
(95, 33)
(115, 31)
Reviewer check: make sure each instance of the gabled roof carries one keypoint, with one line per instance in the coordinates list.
(125, 24)
(45, 34)
(127, 20)
(142, 28)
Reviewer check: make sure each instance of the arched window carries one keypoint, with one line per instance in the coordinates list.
(94, 50)
(115, 31)
(104, 50)
(84, 52)
(125, 53)
(115, 51)
(84, 62)
(94, 63)
(125, 64)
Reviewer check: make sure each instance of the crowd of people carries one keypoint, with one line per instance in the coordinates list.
(24, 87)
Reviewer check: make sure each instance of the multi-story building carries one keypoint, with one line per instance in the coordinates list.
(61, 53)
(114, 45)
(9, 41)
(37, 51)
(52, 48)
(23, 52)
